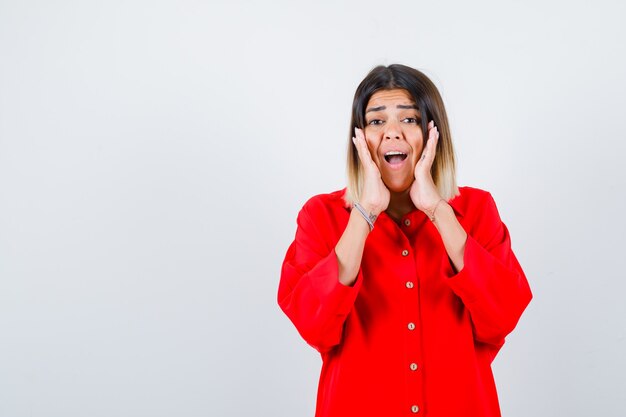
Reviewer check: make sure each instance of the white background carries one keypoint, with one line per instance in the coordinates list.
(154, 155)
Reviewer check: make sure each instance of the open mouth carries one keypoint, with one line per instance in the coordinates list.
(395, 157)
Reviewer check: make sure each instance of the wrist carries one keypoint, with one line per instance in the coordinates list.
(359, 223)
(366, 213)
(432, 213)
(369, 203)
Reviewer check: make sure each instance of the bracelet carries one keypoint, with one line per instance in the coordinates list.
(431, 215)
(369, 218)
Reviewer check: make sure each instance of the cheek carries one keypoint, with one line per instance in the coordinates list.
(418, 143)
(418, 146)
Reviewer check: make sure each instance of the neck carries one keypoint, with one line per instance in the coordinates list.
(400, 204)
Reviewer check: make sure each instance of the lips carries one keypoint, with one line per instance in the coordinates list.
(395, 157)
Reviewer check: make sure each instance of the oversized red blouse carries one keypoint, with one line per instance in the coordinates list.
(411, 337)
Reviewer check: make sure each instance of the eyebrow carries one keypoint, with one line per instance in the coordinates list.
(399, 106)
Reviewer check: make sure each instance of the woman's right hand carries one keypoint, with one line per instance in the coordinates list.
(375, 194)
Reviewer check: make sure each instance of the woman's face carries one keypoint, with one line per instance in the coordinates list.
(394, 136)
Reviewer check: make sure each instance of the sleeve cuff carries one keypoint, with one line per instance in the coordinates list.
(329, 290)
(466, 283)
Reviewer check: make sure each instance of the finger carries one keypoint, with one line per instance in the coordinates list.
(358, 142)
(359, 150)
(362, 149)
(430, 150)
(431, 128)
(431, 147)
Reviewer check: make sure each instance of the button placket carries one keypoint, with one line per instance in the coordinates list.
(412, 317)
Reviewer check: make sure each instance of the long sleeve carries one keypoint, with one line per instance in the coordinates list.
(491, 284)
(309, 292)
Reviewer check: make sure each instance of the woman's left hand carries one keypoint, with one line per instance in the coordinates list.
(423, 192)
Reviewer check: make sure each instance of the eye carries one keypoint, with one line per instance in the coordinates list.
(412, 120)
(375, 122)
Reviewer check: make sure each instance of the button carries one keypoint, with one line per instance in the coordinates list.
(409, 284)
(405, 252)
(414, 409)
(411, 326)
(413, 366)
(407, 222)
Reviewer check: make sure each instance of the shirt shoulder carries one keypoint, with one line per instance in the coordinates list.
(480, 216)
(471, 201)
(326, 202)
(324, 217)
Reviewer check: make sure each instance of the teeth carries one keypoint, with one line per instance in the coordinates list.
(394, 153)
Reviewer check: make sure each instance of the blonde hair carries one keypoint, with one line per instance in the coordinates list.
(430, 105)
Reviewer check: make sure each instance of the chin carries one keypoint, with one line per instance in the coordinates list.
(398, 186)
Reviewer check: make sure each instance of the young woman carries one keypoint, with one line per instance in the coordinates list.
(405, 283)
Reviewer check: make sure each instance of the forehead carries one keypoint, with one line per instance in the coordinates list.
(387, 97)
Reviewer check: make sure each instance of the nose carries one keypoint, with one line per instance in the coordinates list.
(392, 130)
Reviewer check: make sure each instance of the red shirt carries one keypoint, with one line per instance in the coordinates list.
(411, 337)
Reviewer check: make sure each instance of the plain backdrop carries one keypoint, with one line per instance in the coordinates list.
(154, 156)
